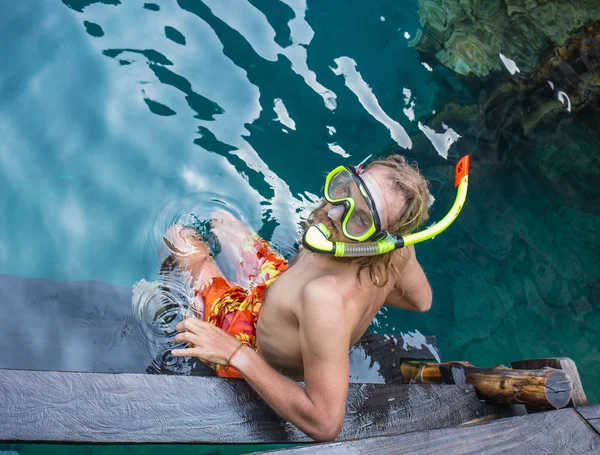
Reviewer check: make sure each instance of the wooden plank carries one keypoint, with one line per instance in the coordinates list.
(544, 388)
(494, 411)
(592, 415)
(562, 431)
(560, 363)
(131, 408)
(377, 358)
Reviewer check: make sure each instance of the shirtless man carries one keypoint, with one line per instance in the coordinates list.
(314, 312)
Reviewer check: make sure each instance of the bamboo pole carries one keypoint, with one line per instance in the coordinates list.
(545, 387)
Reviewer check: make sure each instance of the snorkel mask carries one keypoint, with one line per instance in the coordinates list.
(346, 190)
(360, 221)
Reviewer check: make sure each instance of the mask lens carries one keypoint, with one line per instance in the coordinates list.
(339, 186)
(361, 219)
(343, 187)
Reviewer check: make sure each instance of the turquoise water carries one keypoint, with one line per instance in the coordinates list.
(120, 119)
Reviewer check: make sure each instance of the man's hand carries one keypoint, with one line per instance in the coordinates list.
(411, 291)
(209, 343)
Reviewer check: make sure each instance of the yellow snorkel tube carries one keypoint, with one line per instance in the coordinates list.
(316, 238)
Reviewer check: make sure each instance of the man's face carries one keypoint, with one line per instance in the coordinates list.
(388, 207)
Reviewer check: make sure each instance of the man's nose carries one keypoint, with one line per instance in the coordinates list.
(336, 212)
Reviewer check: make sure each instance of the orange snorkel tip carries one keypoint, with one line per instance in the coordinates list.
(462, 170)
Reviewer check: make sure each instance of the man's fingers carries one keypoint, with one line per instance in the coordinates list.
(188, 337)
(189, 352)
(189, 325)
(205, 341)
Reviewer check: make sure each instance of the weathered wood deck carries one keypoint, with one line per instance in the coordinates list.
(133, 408)
(552, 432)
(592, 415)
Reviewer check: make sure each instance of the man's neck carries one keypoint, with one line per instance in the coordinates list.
(307, 257)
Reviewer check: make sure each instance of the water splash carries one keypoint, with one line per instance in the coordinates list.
(160, 306)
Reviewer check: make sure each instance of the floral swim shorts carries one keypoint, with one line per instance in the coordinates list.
(234, 308)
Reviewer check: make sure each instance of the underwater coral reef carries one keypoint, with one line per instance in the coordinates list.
(566, 81)
(476, 37)
(555, 104)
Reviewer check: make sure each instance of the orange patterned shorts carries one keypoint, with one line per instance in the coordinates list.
(236, 309)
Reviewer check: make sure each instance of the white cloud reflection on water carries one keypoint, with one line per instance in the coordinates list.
(440, 141)
(283, 115)
(252, 24)
(212, 74)
(347, 67)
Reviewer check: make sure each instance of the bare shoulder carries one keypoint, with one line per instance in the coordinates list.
(323, 315)
(322, 293)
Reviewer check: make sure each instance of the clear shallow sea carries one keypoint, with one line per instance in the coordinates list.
(120, 119)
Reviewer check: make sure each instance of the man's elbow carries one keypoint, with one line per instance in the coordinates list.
(424, 307)
(326, 433)
(326, 429)
(425, 304)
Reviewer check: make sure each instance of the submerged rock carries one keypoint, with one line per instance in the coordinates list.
(568, 80)
(559, 99)
(479, 37)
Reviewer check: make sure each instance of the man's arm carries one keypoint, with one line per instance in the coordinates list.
(411, 290)
(317, 408)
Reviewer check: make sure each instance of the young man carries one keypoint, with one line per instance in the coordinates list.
(313, 313)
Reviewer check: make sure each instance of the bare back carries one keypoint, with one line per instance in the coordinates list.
(283, 312)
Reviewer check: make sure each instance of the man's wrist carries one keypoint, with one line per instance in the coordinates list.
(235, 351)
(242, 357)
